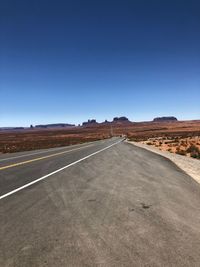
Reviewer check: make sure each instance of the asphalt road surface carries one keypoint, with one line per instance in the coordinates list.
(106, 203)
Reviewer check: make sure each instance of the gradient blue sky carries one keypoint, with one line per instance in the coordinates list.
(67, 61)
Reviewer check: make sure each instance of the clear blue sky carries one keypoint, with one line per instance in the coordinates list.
(67, 61)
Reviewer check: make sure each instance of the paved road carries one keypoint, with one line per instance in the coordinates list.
(124, 206)
(22, 168)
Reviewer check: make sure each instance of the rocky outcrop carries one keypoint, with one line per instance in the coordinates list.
(89, 122)
(163, 119)
(120, 119)
(55, 125)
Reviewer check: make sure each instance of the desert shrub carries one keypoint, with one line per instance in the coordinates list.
(149, 143)
(169, 142)
(184, 144)
(193, 149)
(195, 155)
(180, 151)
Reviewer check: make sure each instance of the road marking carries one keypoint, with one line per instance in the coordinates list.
(54, 172)
(40, 152)
(36, 159)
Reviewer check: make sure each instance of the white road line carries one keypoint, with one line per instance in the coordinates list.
(41, 158)
(41, 152)
(54, 172)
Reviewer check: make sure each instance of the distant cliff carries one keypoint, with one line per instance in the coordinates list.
(163, 119)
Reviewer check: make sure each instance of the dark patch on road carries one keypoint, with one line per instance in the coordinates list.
(92, 200)
(131, 209)
(145, 206)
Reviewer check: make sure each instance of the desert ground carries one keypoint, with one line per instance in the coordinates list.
(182, 137)
(187, 146)
(25, 140)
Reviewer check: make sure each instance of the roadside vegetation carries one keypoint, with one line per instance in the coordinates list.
(185, 146)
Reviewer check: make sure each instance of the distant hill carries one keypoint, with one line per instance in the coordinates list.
(163, 119)
(11, 128)
(55, 125)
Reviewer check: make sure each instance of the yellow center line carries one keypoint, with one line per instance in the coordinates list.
(41, 158)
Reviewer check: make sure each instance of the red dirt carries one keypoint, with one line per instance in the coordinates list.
(21, 140)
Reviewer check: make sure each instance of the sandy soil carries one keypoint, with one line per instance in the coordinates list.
(188, 146)
(190, 165)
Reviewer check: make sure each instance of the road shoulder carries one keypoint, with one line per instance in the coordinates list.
(189, 165)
